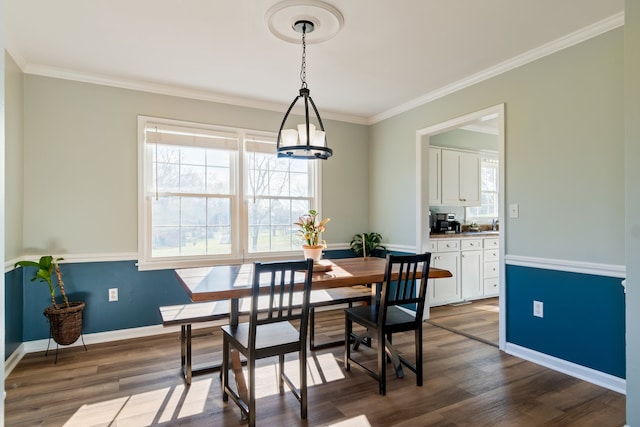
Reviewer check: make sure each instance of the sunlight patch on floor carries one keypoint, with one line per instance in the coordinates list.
(172, 403)
(320, 370)
(145, 409)
(359, 421)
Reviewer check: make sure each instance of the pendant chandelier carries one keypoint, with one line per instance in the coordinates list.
(308, 140)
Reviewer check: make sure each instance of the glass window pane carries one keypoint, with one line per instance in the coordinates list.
(165, 241)
(193, 156)
(218, 240)
(218, 180)
(192, 211)
(166, 211)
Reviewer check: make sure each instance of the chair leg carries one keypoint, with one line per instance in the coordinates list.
(382, 364)
(347, 349)
(303, 383)
(251, 404)
(419, 356)
(225, 369)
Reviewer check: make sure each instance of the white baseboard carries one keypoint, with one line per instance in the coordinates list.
(578, 371)
(96, 338)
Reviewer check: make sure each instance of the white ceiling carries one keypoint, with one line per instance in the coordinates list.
(389, 55)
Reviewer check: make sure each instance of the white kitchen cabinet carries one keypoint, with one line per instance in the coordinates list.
(460, 178)
(445, 290)
(491, 267)
(474, 264)
(435, 197)
(471, 263)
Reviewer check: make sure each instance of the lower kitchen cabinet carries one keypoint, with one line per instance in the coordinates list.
(471, 280)
(474, 264)
(445, 290)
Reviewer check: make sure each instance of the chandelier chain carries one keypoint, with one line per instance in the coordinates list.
(303, 68)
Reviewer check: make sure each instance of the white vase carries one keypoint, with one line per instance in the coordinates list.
(314, 252)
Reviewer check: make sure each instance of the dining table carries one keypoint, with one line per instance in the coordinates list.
(234, 283)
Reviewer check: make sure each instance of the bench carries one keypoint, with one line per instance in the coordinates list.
(185, 315)
(335, 296)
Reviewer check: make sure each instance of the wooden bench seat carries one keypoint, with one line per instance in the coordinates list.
(335, 296)
(185, 315)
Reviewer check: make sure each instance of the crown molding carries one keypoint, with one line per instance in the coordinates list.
(160, 89)
(569, 40)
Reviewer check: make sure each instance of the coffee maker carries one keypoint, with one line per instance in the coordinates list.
(446, 223)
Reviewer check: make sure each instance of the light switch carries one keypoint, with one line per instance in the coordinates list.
(513, 210)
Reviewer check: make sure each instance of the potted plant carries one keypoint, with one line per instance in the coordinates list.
(310, 230)
(366, 243)
(65, 319)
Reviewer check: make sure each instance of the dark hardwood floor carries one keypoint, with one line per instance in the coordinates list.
(137, 383)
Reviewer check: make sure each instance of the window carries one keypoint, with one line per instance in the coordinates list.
(489, 183)
(211, 194)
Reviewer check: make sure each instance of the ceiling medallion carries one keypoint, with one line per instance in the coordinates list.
(281, 19)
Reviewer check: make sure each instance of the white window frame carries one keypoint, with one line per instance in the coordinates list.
(486, 161)
(239, 209)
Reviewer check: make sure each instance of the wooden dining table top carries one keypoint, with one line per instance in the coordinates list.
(234, 281)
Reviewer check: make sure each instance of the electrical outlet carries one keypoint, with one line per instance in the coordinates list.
(538, 308)
(113, 294)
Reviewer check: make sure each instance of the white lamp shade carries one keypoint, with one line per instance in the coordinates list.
(289, 137)
(319, 140)
(302, 132)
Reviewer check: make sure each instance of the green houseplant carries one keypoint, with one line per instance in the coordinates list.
(366, 243)
(65, 319)
(309, 230)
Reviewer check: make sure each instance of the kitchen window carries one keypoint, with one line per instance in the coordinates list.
(211, 194)
(489, 193)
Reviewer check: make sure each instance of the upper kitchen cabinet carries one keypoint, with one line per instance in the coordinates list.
(435, 162)
(454, 178)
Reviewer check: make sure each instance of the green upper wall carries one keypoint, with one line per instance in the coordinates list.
(14, 159)
(563, 154)
(80, 143)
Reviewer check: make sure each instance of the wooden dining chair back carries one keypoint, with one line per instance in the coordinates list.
(275, 303)
(399, 309)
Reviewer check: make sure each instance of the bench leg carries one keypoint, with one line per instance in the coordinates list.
(185, 352)
(312, 341)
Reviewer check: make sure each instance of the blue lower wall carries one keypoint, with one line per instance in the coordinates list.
(13, 304)
(584, 316)
(140, 295)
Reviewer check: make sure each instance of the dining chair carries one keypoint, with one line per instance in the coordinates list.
(269, 331)
(399, 309)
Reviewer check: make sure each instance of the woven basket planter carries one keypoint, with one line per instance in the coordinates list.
(65, 323)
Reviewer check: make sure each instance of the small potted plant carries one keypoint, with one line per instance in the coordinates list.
(309, 231)
(65, 319)
(366, 243)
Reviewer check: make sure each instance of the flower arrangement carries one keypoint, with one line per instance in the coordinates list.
(310, 229)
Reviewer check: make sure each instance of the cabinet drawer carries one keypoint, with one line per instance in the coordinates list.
(448, 245)
(433, 246)
(470, 244)
(491, 255)
(491, 243)
(491, 286)
(491, 269)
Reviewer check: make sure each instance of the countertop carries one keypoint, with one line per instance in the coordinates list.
(465, 234)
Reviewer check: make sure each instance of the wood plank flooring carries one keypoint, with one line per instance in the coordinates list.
(137, 383)
(477, 319)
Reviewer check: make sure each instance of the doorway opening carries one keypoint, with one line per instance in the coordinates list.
(489, 120)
